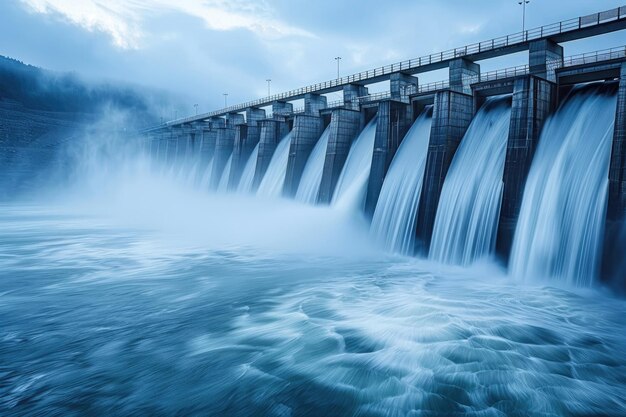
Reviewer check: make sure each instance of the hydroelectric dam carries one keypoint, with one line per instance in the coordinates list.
(527, 162)
(376, 245)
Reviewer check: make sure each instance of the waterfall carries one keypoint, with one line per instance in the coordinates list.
(352, 183)
(223, 184)
(274, 178)
(466, 223)
(247, 176)
(206, 177)
(313, 170)
(561, 223)
(394, 219)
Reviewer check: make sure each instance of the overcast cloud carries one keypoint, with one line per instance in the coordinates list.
(200, 49)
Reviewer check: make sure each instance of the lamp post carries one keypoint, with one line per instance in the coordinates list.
(523, 3)
(269, 82)
(225, 100)
(337, 58)
(196, 106)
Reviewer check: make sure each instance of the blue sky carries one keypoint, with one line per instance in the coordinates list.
(200, 49)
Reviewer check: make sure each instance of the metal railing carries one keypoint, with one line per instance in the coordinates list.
(597, 56)
(411, 64)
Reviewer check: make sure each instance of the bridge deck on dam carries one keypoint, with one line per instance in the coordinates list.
(564, 31)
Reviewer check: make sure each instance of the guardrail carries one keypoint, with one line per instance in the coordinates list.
(411, 64)
(597, 56)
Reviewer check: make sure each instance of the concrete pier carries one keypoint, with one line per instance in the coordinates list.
(224, 144)
(272, 131)
(351, 92)
(281, 108)
(345, 125)
(463, 73)
(313, 103)
(307, 129)
(393, 121)
(534, 99)
(246, 138)
(401, 85)
(452, 114)
(617, 168)
(543, 55)
(613, 263)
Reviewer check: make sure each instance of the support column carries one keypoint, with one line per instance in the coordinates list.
(533, 100)
(344, 127)
(281, 108)
(463, 73)
(234, 119)
(307, 129)
(313, 103)
(246, 138)
(393, 121)
(401, 85)
(452, 114)
(351, 93)
(614, 264)
(543, 57)
(272, 131)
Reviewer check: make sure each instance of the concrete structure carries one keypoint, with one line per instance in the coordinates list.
(351, 93)
(533, 100)
(307, 129)
(452, 114)
(225, 140)
(272, 131)
(463, 73)
(617, 169)
(393, 121)
(615, 235)
(536, 87)
(344, 127)
(246, 138)
(543, 56)
(401, 85)
(313, 103)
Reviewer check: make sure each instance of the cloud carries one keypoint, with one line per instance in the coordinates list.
(125, 20)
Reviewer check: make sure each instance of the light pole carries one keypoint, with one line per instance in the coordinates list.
(196, 106)
(269, 82)
(337, 58)
(523, 3)
(225, 100)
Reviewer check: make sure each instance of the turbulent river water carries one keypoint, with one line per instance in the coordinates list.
(101, 317)
(132, 294)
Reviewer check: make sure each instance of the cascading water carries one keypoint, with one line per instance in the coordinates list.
(467, 215)
(206, 177)
(312, 174)
(352, 183)
(247, 176)
(274, 178)
(561, 223)
(394, 219)
(223, 184)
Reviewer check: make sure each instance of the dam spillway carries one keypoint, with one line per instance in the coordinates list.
(375, 245)
(460, 194)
